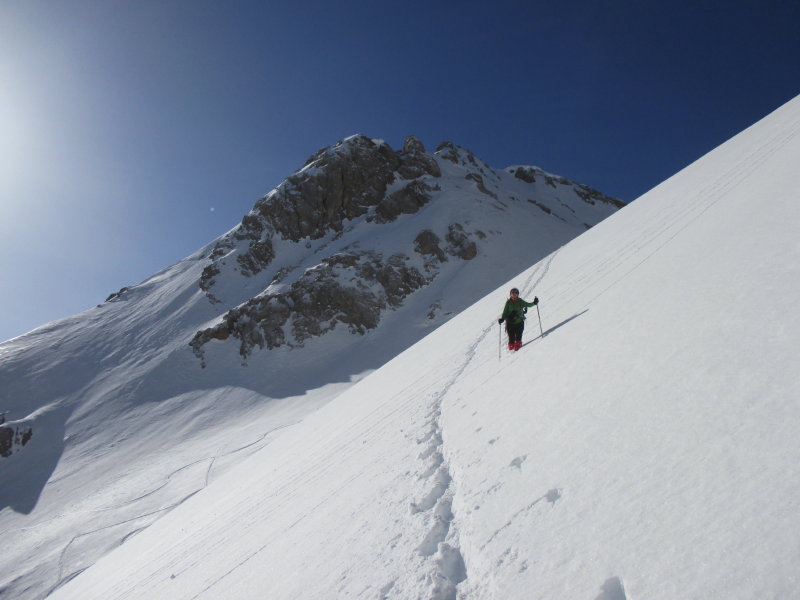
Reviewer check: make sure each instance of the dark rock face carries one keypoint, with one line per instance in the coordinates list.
(207, 277)
(427, 244)
(526, 174)
(337, 184)
(480, 184)
(459, 243)
(405, 201)
(257, 258)
(13, 438)
(447, 151)
(115, 296)
(584, 192)
(592, 196)
(414, 162)
(347, 288)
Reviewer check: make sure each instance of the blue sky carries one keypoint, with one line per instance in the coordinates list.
(133, 133)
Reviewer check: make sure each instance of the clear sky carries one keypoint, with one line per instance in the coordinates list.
(133, 133)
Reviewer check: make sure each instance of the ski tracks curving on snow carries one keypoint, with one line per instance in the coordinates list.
(117, 523)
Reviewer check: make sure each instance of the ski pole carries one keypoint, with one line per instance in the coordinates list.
(540, 319)
(499, 341)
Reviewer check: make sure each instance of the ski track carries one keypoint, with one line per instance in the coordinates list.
(551, 496)
(63, 579)
(676, 217)
(703, 200)
(64, 555)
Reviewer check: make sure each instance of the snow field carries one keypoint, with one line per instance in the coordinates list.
(645, 447)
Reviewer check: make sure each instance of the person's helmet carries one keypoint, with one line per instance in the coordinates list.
(515, 291)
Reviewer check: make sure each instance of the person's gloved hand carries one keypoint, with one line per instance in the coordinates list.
(535, 300)
(500, 320)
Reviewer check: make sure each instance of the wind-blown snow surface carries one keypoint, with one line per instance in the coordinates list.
(646, 447)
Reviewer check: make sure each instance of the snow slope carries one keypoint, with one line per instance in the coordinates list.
(114, 422)
(645, 447)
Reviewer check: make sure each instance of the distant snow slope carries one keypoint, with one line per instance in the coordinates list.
(645, 447)
(110, 418)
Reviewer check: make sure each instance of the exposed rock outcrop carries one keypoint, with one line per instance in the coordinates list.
(415, 162)
(592, 196)
(427, 244)
(480, 184)
(530, 174)
(526, 174)
(117, 295)
(13, 437)
(459, 243)
(338, 184)
(348, 288)
(407, 200)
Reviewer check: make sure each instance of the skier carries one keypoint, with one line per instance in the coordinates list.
(514, 316)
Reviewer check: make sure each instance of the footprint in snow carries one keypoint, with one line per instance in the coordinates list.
(517, 462)
(554, 496)
(613, 589)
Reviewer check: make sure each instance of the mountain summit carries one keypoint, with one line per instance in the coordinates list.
(361, 227)
(112, 418)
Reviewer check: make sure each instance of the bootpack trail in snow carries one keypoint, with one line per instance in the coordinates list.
(450, 565)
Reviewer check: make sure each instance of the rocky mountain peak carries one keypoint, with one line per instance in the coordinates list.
(339, 183)
(415, 162)
(326, 273)
(459, 155)
(412, 145)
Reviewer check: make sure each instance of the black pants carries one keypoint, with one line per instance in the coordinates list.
(514, 331)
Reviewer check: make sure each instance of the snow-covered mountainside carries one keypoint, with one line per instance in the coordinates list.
(645, 447)
(115, 416)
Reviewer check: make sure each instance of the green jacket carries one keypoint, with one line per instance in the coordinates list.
(513, 313)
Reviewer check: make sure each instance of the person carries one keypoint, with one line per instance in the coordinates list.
(514, 317)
